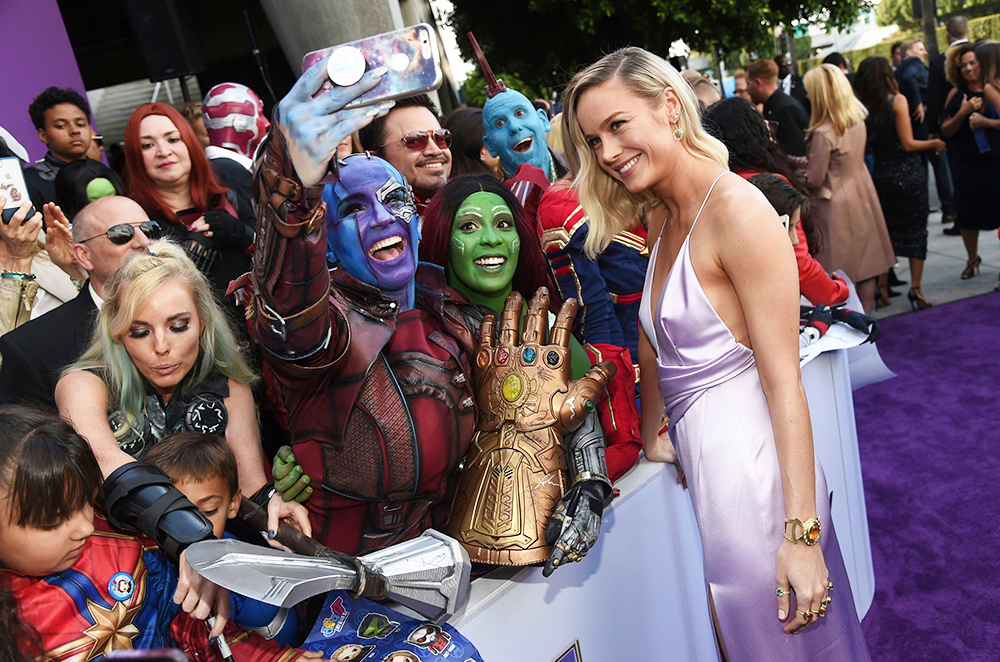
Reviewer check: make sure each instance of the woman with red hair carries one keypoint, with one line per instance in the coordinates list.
(170, 176)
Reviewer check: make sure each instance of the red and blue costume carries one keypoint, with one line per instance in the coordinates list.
(608, 290)
(118, 596)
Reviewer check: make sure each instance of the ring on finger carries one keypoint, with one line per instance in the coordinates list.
(780, 592)
(809, 615)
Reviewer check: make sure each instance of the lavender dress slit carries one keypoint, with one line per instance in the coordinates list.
(721, 428)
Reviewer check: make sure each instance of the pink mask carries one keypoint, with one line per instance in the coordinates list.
(234, 117)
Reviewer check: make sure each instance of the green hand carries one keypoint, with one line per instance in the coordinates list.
(289, 480)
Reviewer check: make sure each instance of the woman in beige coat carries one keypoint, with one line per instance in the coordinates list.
(855, 237)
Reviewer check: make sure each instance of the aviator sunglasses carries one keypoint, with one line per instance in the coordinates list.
(122, 234)
(417, 140)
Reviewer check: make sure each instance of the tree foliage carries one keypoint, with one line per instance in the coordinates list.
(546, 41)
(900, 12)
(474, 87)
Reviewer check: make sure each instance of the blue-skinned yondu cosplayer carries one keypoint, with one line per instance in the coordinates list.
(607, 287)
(368, 354)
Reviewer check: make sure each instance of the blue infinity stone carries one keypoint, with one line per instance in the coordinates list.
(528, 355)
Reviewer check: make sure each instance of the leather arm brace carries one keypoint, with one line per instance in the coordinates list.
(140, 497)
(290, 276)
(585, 456)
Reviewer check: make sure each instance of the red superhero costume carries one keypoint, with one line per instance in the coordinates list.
(118, 596)
(377, 403)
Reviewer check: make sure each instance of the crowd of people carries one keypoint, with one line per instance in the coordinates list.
(333, 282)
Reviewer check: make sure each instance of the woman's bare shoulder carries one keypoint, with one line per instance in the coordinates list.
(739, 202)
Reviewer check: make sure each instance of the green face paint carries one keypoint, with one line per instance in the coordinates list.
(484, 245)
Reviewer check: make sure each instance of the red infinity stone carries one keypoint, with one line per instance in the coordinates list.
(502, 355)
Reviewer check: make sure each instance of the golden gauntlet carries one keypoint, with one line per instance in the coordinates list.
(516, 472)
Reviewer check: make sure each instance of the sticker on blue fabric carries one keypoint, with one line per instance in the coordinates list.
(121, 586)
(354, 630)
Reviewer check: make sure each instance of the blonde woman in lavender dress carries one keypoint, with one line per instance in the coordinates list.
(719, 357)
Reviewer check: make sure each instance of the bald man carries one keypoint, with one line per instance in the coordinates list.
(35, 354)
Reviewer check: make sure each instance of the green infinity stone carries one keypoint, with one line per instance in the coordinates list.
(589, 407)
(512, 388)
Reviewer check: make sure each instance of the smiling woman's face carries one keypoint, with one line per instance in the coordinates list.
(164, 154)
(163, 339)
(484, 244)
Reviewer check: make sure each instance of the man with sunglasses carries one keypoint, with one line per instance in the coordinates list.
(410, 137)
(105, 233)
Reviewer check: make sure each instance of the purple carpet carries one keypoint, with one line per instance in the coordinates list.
(931, 463)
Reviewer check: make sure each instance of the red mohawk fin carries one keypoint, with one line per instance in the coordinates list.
(494, 85)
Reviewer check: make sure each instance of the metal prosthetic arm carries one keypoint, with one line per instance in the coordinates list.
(576, 522)
(139, 496)
(291, 282)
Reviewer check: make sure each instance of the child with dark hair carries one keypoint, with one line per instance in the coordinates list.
(815, 284)
(203, 468)
(73, 587)
(81, 182)
(62, 118)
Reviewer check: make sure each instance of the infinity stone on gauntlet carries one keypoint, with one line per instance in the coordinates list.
(517, 471)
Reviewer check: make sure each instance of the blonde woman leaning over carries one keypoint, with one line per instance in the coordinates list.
(855, 237)
(163, 359)
(720, 331)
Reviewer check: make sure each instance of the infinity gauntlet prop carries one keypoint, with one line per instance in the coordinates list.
(516, 471)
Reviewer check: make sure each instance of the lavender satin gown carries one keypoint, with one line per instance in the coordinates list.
(721, 428)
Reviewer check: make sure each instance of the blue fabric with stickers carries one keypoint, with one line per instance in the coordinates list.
(350, 630)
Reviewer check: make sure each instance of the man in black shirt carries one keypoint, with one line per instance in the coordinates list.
(62, 118)
(791, 83)
(780, 109)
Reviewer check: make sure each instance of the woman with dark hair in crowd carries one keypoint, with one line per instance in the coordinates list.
(81, 182)
(745, 134)
(169, 175)
(478, 232)
(970, 125)
(899, 173)
(468, 155)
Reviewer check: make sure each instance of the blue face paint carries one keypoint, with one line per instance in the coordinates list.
(515, 131)
(372, 229)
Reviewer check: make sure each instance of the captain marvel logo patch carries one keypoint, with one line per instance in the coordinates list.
(121, 586)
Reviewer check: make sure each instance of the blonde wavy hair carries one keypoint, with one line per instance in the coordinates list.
(832, 99)
(128, 292)
(610, 206)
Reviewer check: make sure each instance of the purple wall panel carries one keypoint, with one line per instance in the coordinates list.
(35, 53)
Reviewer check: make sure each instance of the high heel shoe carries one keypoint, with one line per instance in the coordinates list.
(971, 268)
(917, 300)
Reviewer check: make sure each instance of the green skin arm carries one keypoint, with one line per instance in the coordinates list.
(289, 480)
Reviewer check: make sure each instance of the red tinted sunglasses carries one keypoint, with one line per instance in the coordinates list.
(417, 140)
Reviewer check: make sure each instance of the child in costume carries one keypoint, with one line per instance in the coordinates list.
(203, 468)
(73, 587)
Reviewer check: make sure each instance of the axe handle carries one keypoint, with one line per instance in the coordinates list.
(370, 585)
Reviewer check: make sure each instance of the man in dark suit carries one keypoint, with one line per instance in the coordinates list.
(36, 353)
(780, 109)
(791, 83)
(938, 87)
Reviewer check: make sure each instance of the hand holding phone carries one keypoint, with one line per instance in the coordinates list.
(13, 188)
(314, 126)
(20, 236)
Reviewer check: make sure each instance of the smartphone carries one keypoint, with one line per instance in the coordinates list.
(13, 187)
(410, 54)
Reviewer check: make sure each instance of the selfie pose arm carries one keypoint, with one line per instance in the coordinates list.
(755, 254)
(290, 277)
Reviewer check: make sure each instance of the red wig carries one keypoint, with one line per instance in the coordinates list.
(202, 182)
(439, 217)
